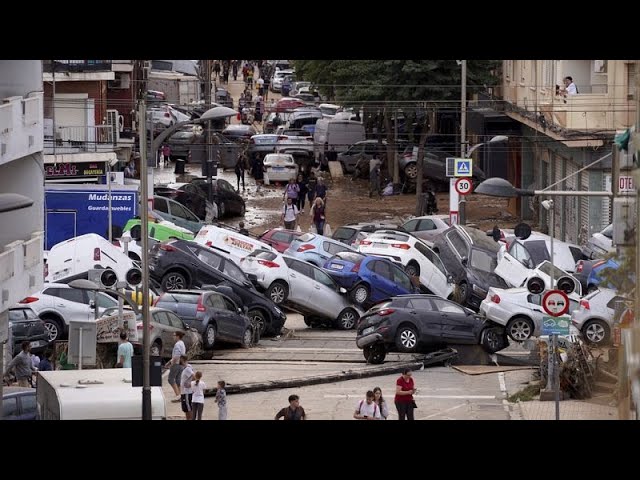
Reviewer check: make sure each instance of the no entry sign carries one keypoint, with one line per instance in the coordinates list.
(463, 186)
(555, 303)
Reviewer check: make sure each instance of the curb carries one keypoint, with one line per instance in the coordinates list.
(316, 379)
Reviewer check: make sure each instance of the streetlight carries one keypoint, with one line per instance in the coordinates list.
(455, 202)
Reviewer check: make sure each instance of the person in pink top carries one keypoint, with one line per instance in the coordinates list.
(405, 389)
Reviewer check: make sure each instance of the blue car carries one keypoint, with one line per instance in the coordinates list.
(315, 249)
(369, 279)
(596, 279)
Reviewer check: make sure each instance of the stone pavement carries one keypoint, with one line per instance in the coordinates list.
(569, 410)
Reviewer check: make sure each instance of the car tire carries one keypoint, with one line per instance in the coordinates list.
(412, 269)
(209, 337)
(411, 171)
(360, 294)
(243, 210)
(53, 327)
(278, 292)
(174, 281)
(520, 328)
(347, 319)
(492, 339)
(257, 318)
(374, 354)
(463, 293)
(247, 338)
(156, 349)
(407, 338)
(596, 332)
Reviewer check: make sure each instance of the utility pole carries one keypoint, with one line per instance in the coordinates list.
(144, 227)
(206, 65)
(463, 134)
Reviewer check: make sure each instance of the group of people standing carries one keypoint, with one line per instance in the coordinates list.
(296, 192)
(374, 406)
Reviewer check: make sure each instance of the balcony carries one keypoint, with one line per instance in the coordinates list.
(21, 269)
(20, 127)
(73, 66)
(76, 139)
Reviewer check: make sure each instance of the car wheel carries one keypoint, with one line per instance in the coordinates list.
(411, 171)
(463, 291)
(257, 319)
(156, 349)
(596, 332)
(209, 336)
(374, 354)
(174, 281)
(53, 328)
(520, 328)
(412, 269)
(278, 292)
(308, 322)
(243, 210)
(492, 339)
(347, 319)
(247, 337)
(407, 339)
(360, 294)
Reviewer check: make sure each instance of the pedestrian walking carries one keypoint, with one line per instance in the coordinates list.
(21, 364)
(404, 401)
(198, 387)
(258, 171)
(321, 191)
(302, 193)
(260, 85)
(367, 409)
(381, 402)
(234, 69)
(221, 400)
(289, 214)
(293, 412)
(166, 152)
(242, 230)
(318, 215)
(292, 190)
(186, 392)
(216, 69)
(125, 351)
(374, 176)
(312, 182)
(241, 166)
(174, 365)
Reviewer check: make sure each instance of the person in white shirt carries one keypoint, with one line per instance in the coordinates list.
(198, 387)
(569, 87)
(174, 366)
(367, 409)
(290, 214)
(186, 392)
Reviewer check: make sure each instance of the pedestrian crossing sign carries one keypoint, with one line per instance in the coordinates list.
(463, 167)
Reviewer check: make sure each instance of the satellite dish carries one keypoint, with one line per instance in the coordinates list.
(522, 231)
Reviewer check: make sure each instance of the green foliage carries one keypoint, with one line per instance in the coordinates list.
(622, 278)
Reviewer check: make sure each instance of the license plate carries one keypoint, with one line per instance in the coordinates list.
(368, 330)
(277, 169)
(337, 266)
(34, 344)
(380, 245)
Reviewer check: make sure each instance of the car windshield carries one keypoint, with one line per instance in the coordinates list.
(180, 297)
(263, 255)
(483, 260)
(352, 257)
(307, 237)
(343, 233)
(19, 314)
(546, 267)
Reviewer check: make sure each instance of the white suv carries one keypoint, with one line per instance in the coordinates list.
(413, 254)
(57, 304)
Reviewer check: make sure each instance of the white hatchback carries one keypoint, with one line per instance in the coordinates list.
(280, 167)
(303, 287)
(414, 255)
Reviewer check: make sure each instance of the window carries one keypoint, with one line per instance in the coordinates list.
(520, 253)
(382, 268)
(343, 234)
(433, 258)
(28, 403)
(283, 237)
(420, 304)
(105, 301)
(181, 298)
(178, 210)
(216, 301)
(160, 204)
(458, 244)
(161, 318)
(483, 260)
(334, 248)
(547, 73)
(73, 295)
(426, 224)
(401, 278)
(234, 272)
(631, 80)
(9, 407)
(535, 299)
(508, 69)
(411, 225)
(229, 305)
(447, 307)
(174, 320)
(323, 278)
(301, 267)
(209, 258)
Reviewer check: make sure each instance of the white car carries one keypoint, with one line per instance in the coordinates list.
(295, 140)
(414, 255)
(600, 244)
(229, 243)
(302, 286)
(595, 315)
(278, 78)
(518, 310)
(427, 228)
(57, 304)
(280, 167)
(329, 110)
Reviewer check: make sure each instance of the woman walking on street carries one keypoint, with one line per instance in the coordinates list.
(405, 389)
(302, 193)
(197, 401)
(381, 402)
(318, 215)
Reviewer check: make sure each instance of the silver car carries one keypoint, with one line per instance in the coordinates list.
(302, 287)
(427, 228)
(600, 244)
(596, 313)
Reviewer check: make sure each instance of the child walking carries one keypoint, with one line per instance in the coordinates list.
(221, 400)
(197, 401)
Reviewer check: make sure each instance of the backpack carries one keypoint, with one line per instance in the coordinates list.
(375, 408)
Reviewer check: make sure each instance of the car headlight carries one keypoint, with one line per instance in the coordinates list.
(478, 290)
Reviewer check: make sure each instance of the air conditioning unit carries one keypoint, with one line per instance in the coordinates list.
(113, 118)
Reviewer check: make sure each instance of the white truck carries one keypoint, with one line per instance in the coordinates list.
(104, 394)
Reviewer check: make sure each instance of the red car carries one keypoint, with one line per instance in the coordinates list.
(279, 238)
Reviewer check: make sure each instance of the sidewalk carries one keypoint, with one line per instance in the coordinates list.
(569, 410)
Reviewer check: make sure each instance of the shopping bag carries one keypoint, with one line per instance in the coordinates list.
(266, 178)
(327, 230)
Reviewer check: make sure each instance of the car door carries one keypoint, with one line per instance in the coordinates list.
(382, 284)
(511, 268)
(426, 320)
(457, 324)
(28, 407)
(220, 314)
(183, 217)
(438, 283)
(10, 408)
(401, 281)
(166, 332)
(236, 324)
(73, 303)
(207, 268)
(301, 280)
(161, 207)
(326, 298)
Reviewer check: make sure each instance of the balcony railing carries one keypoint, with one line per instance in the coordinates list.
(49, 66)
(100, 138)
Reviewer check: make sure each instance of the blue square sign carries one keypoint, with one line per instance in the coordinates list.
(463, 167)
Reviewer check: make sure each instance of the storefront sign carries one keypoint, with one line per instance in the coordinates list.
(75, 170)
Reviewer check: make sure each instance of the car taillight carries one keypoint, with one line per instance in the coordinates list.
(305, 247)
(29, 300)
(356, 268)
(495, 299)
(96, 254)
(579, 266)
(209, 243)
(269, 263)
(365, 242)
(200, 307)
(585, 304)
(385, 311)
(167, 248)
(140, 326)
(403, 246)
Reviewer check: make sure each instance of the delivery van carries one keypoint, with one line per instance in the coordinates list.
(336, 135)
(229, 243)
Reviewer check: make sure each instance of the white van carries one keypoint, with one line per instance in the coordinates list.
(73, 258)
(335, 134)
(104, 394)
(229, 243)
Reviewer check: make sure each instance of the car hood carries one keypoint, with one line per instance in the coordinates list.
(486, 279)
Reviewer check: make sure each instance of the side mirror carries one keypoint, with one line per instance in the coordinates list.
(450, 279)
(342, 290)
(464, 261)
(92, 304)
(240, 311)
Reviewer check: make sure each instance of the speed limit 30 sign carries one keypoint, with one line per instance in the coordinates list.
(463, 186)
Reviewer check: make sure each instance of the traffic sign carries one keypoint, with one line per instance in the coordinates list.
(463, 186)
(556, 325)
(462, 167)
(625, 184)
(555, 303)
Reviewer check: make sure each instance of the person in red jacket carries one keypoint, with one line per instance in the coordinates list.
(405, 389)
